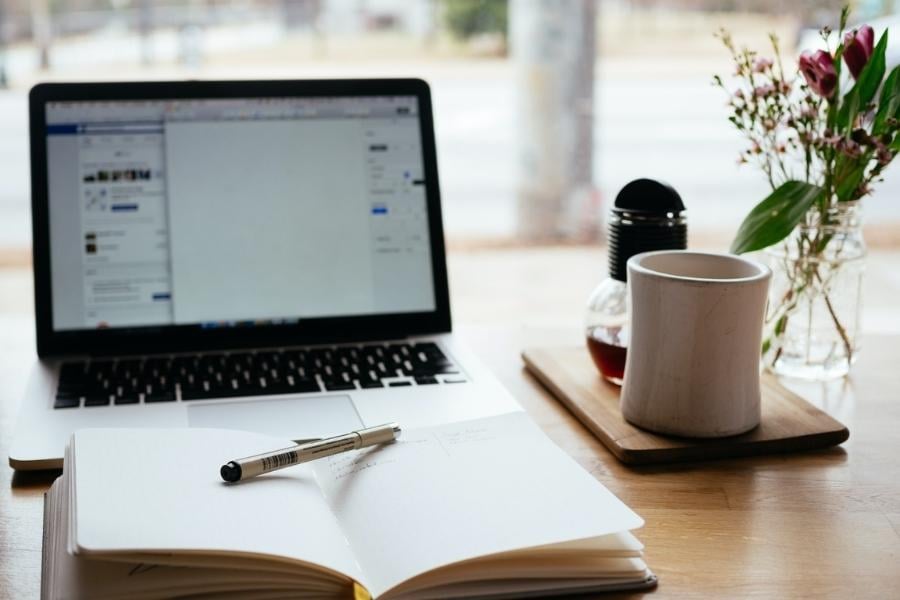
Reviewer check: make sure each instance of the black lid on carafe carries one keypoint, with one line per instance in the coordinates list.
(647, 215)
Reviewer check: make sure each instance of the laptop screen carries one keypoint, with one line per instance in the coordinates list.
(239, 211)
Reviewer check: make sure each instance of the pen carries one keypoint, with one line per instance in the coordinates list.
(251, 466)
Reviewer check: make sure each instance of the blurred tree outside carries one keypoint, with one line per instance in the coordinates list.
(466, 19)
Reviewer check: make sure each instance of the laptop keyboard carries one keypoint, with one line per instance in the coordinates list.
(203, 376)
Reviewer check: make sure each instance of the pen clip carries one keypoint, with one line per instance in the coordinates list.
(306, 440)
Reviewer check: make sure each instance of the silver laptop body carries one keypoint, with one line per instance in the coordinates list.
(260, 255)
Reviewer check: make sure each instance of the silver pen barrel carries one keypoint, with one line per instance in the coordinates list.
(251, 466)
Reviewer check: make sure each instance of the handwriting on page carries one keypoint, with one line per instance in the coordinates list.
(444, 442)
(465, 437)
(345, 465)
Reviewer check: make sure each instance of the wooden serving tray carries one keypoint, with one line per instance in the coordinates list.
(789, 423)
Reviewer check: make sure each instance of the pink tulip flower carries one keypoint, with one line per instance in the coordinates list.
(818, 69)
(858, 45)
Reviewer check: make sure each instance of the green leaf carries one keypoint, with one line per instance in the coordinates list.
(847, 184)
(847, 113)
(889, 102)
(843, 166)
(895, 145)
(866, 85)
(775, 217)
(849, 110)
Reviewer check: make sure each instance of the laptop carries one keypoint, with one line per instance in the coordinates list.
(257, 255)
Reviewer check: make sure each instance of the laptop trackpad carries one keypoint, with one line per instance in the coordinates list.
(289, 418)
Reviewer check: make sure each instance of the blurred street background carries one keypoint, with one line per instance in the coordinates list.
(637, 98)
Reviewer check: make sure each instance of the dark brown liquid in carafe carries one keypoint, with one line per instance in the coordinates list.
(610, 359)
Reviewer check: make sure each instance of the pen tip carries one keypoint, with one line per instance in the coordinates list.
(231, 472)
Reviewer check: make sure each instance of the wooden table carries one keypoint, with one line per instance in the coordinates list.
(821, 524)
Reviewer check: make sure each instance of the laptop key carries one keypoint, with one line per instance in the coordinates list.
(67, 402)
(70, 388)
(126, 400)
(336, 386)
(429, 349)
(275, 387)
(98, 400)
(399, 383)
(370, 383)
(303, 386)
(423, 370)
(195, 392)
(426, 379)
(159, 396)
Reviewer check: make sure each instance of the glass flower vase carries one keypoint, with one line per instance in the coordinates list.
(813, 317)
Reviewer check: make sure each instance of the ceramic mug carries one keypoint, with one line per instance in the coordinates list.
(696, 326)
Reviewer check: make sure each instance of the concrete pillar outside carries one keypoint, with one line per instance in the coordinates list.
(41, 31)
(553, 46)
(145, 31)
(4, 81)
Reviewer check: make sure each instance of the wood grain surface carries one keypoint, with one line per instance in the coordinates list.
(819, 524)
(788, 424)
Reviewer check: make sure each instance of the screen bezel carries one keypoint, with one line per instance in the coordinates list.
(177, 338)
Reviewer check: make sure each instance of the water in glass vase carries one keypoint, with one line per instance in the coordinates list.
(813, 319)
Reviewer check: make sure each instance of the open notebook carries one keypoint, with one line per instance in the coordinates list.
(488, 508)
